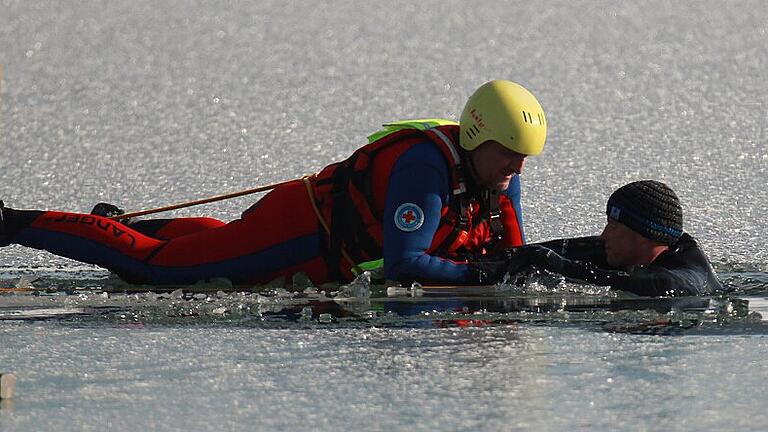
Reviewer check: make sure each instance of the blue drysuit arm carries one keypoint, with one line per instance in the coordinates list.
(419, 181)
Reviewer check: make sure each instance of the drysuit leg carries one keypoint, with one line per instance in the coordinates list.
(277, 237)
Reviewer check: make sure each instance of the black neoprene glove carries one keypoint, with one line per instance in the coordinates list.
(541, 257)
(546, 259)
(491, 270)
(591, 249)
(578, 258)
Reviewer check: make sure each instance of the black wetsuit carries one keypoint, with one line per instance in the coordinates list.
(682, 270)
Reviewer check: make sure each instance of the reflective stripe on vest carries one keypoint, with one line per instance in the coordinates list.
(430, 125)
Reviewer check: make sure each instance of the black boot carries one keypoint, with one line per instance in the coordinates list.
(109, 210)
(13, 221)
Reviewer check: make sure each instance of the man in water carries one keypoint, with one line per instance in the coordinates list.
(428, 200)
(646, 251)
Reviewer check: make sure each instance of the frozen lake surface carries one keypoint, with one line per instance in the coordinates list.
(144, 104)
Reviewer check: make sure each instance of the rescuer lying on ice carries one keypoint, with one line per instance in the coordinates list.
(432, 198)
(428, 200)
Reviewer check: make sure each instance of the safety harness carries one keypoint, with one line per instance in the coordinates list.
(355, 230)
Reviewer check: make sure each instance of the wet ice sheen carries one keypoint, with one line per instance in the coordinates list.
(486, 378)
(145, 104)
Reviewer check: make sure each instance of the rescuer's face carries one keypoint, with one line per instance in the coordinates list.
(495, 165)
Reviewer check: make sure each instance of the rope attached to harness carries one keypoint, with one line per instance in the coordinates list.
(310, 192)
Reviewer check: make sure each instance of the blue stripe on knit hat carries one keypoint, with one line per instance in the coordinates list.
(617, 212)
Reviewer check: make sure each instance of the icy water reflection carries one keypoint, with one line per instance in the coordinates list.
(540, 357)
(361, 304)
(515, 375)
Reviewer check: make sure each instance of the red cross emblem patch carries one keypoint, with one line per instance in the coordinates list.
(409, 217)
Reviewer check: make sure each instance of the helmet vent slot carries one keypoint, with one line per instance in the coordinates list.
(473, 131)
(528, 117)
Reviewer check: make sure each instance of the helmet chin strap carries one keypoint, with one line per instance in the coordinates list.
(489, 197)
(494, 215)
(470, 164)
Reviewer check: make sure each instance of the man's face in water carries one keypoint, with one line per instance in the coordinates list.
(624, 248)
(495, 165)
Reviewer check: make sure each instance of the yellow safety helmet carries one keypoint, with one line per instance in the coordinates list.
(505, 112)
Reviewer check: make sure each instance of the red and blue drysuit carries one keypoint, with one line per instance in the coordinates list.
(405, 197)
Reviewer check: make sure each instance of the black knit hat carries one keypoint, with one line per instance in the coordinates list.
(649, 208)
